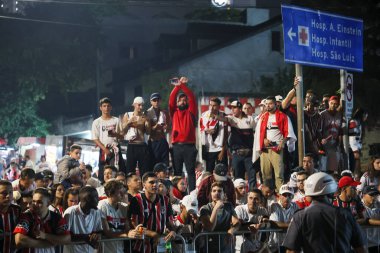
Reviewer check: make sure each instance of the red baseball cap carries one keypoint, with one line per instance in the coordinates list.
(347, 181)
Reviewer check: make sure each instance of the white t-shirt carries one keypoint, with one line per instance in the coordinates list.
(116, 219)
(206, 123)
(273, 132)
(100, 128)
(79, 223)
(242, 123)
(298, 196)
(16, 187)
(244, 215)
(278, 213)
(101, 192)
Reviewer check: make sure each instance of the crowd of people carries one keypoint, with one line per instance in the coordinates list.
(245, 179)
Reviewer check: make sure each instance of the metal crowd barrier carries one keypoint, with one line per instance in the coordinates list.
(223, 234)
(371, 232)
(373, 235)
(102, 241)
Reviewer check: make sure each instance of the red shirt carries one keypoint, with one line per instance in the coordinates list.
(183, 122)
(303, 203)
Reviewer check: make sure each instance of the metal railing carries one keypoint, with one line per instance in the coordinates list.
(224, 235)
(373, 235)
(103, 241)
(196, 245)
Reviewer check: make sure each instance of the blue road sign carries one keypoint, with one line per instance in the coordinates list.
(322, 39)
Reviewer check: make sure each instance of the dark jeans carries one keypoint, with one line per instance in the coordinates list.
(185, 153)
(211, 159)
(242, 164)
(160, 151)
(139, 153)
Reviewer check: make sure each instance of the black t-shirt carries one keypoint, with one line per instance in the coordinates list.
(323, 228)
(224, 215)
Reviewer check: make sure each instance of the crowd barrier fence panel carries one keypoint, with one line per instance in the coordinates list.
(102, 241)
(231, 245)
(371, 232)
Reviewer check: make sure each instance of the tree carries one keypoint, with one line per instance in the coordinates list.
(54, 46)
(19, 113)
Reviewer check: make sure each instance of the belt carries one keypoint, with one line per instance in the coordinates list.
(137, 144)
(183, 143)
(242, 151)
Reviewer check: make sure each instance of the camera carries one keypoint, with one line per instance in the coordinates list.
(174, 81)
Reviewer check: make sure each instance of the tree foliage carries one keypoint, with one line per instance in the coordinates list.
(54, 46)
(19, 112)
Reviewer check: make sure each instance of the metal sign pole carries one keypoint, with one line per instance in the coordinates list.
(300, 118)
(346, 162)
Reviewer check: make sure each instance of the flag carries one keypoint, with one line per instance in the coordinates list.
(259, 132)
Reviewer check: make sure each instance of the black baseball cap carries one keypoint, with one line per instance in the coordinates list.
(371, 190)
(40, 175)
(220, 172)
(160, 167)
(155, 95)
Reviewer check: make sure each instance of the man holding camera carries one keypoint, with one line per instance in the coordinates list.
(183, 111)
(135, 125)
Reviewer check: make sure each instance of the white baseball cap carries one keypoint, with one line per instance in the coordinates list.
(190, 202)
(286, 189)
(293, 180)
(263, 102)
(239, 182)
(279, 98)
(138, 100)
(346, 173)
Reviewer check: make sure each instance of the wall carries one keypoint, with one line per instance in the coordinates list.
(236, 68)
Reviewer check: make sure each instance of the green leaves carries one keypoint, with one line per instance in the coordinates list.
(18, 113)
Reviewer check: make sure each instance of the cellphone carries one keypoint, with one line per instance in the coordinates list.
(174, 81)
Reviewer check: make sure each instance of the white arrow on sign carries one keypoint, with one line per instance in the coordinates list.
(290, 34)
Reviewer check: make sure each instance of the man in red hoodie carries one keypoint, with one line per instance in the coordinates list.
(183, 111)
